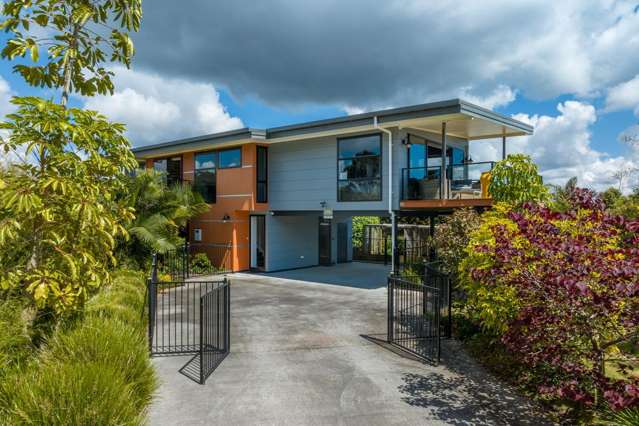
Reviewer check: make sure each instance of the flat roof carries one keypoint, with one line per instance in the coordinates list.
(468, 121)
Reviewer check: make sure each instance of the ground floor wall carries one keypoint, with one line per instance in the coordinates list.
(225, 240)
(293, 241)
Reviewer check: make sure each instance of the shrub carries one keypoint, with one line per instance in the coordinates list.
(200, 263)
(516, 180)
(628, 417)
(124, 300)
(68, 392)
(109, 342)
(95, 370)
(452, 236)
(490, 306)
(15, 342)
(572, 281)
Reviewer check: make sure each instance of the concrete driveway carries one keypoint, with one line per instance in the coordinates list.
(305, 353)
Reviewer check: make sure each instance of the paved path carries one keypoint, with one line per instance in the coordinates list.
(298, 357)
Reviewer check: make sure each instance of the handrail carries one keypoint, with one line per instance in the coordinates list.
(467, 164)
(419, 182)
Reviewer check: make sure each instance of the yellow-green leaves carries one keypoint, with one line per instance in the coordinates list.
(59, 216)
(516, 180)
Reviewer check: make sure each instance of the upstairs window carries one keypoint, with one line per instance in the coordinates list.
(171, 169)
(230, 158)
(359, 168)
(205, 175)
(262, 174)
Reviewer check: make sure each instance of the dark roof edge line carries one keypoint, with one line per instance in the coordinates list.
(467, 107)
(231, 134)
(264, 134)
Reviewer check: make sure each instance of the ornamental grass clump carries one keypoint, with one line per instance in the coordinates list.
(92, 371)
(110, 342)
(561, 289)
(68, 392)
(15, 341)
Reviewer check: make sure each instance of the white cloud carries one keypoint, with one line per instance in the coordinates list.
(6, 107)
(561, 146)
(624, 96)
(158, 109)
(403, 52)
(501, 96)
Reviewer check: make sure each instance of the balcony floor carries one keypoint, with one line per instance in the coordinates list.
(445, 205)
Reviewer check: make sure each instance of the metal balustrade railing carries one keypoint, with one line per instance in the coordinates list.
(195, 260)
(462, 180)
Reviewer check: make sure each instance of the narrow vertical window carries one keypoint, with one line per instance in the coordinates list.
(262, 174)
(205, 175)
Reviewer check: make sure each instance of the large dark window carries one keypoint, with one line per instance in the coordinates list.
(359, 168)
(230, 158)
(171, 169)
(205, 173)
(262, 174)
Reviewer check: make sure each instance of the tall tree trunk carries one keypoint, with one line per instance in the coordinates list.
(68, 67)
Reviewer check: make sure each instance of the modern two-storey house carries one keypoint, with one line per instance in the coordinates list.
(284, 197)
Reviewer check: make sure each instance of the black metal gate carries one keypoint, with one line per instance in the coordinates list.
(414, 318)
(190, 317)
(195, 259)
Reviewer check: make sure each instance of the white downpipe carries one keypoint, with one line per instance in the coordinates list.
(390, 188)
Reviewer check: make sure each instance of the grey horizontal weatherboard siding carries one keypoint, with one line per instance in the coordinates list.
(291, 242)
(303, 174)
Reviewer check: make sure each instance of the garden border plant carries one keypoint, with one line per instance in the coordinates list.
(561, 291)
(93, 370)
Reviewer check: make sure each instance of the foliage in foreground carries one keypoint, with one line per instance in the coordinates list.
(94, 371)
(452, 236)
(562, 291)
(58, 217)
(59, 220)
(15, 341)
(516, 180)
(160, 213)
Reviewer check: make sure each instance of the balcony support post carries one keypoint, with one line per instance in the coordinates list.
(503, 144)
(442, 177)
(394, 248)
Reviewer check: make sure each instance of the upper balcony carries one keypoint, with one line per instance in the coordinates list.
(464, 185)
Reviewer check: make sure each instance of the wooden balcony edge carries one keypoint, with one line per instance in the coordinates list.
(445, 204)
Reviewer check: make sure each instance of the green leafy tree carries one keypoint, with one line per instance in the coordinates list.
(160, 213)
(78, 36)
(59, 216)
(561, 195)
(359, 223)
(516, 179)
(452, 236)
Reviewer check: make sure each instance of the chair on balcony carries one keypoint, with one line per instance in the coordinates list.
(429, 189)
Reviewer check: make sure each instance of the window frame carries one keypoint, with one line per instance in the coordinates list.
(381, 168)
(219, 151)
(195, 170)
(169, 157)
(258, 181)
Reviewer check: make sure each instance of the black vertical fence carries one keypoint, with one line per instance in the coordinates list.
(414, 318)
(190, 317)
(435, 277)
(215, 339)
(195, 260)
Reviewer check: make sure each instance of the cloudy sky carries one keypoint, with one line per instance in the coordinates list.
(570, 68)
